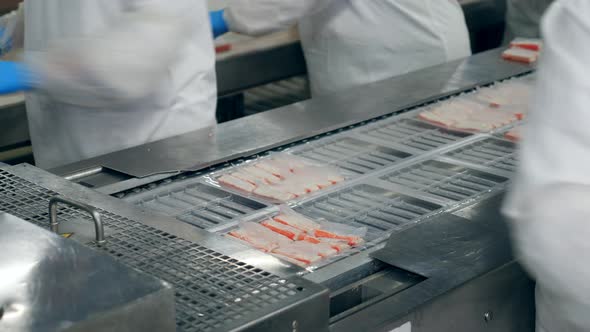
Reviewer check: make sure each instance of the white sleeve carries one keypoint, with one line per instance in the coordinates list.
(259, 17)
(549, 203)
(552, 240)
(120, 65)
(13, 25)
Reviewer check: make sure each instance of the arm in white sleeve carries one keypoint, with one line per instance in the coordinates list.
(120, 65)
(549, 204)
(13, 26)
(259, 17)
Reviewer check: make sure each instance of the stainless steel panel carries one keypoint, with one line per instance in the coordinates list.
(501, 300)
(217, 282)
(53, 284)
(472, 282)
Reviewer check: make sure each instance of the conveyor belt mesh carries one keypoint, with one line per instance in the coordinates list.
(381, 211)
(412, 133)
(494, 153)
(352, 155)
(198, 204)
(213, 291)
(444, 180)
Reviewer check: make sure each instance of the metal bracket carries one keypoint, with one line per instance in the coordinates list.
(98, 226)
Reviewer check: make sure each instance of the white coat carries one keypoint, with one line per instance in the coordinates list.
(549, 203)
(116, 74)
(354, 42)
(523, 18)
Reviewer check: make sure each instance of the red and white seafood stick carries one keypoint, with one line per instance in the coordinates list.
(236, 183)
(273, 168)
(259, 236)
(337, 244)
(266, 191)
(288, 217)
(305, 252)
(292, 186)
(285, 230)
(247, 177)
(514, 134)
(289, 161)
(352, 240)
(520, 55)
(532, 44)
(336, 231)
(261, 174)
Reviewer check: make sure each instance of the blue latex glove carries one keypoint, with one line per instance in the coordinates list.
(14, 77)
(218, 24)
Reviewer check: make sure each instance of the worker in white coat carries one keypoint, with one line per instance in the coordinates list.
(523, 18)
(353, 42)
(108, 75)
(549, 203)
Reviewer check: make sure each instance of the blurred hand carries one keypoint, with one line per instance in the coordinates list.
(14, 77)
(218, 23)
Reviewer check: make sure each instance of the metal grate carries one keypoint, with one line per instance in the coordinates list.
(415, 134)
(381, 211)
(494, 153)
(353, 155)
(198, 204)
(444, 180)
(212, 290)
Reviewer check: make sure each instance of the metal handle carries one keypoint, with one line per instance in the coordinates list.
(98, 227)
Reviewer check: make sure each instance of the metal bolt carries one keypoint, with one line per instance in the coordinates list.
(294, 325)
(488, 316)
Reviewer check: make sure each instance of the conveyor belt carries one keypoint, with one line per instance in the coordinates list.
(495, 153)
(198, 204)
(412, 133)
(381, 211)
(445, 181)
(351, 154)
(402, 169)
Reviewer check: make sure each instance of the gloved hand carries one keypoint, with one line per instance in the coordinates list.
(218, 24)
(14, 77)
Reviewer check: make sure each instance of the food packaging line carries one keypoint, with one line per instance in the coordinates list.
(436, 256)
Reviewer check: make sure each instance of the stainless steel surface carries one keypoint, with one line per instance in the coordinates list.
(84, 173)
(53, 284)
(302, 120)
(468, 267)
(93, 212)
(505, 294)
(219, 284)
